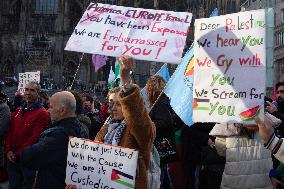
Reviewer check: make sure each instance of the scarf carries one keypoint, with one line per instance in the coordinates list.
(114, 132)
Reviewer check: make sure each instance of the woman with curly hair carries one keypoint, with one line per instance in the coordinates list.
(166, 122)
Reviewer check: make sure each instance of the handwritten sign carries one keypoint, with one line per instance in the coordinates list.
(144, 34)
(95, 165)
(25, 78)
(229, 67)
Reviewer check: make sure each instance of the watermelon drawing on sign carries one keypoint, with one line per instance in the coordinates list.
(250, 114)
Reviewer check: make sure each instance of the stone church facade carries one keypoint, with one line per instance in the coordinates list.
(33, 34)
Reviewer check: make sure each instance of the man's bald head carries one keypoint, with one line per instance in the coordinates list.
(66, 99)
(62, 105)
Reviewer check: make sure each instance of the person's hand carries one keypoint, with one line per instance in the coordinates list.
(211, 143)
(17, 93)
(11, 156)
(265, 128)
(271, 107)
(126, 65)
(70, 186)
(275, 182)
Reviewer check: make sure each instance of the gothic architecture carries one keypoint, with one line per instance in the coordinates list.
(33, 34)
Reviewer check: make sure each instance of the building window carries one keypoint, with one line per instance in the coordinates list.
(282, 13)
(10, 16)
(46, 7)
(279, 38)
(282, 66)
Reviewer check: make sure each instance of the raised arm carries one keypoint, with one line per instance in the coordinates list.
(133, 107)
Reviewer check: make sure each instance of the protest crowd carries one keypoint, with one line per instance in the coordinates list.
(138, 138)
(34, 138)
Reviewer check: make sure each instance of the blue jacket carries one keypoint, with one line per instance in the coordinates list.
(49, 155)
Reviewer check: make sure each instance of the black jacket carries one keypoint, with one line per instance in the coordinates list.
(49, 155)
(280, 115)
(166, 122)
(4, 118)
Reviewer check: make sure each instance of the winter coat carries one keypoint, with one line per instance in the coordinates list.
(25, 127)
(138, 134)
(162, 115)
(95, 124)
(247, 161)
(279, 103)
(4, 124)
(4, 118)
(86, 123)
(49, 155)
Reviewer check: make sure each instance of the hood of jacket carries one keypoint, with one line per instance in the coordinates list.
(225, 130)
(36, 105)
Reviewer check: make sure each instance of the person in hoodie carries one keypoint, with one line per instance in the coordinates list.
(49, 155)
(27, 123)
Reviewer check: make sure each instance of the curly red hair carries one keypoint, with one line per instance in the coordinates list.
(154, 87)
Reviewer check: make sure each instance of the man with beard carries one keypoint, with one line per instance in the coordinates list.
(276, 108)
(27, 123)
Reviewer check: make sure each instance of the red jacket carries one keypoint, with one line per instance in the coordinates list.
(25, 127)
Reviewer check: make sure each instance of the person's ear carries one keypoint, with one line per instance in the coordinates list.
(62, 110)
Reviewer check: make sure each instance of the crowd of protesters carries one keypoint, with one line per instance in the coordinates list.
(35, 129)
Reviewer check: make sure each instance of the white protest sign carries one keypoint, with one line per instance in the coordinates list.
(25, 78)
(92, 165)
(145, 34)
(229, 68)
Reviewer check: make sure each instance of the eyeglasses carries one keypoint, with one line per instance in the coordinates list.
(280, 91)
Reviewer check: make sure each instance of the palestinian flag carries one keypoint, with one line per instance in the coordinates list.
(122, 178)
(114, 76)
(201, 104)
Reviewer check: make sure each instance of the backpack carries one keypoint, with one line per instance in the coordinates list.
(154, 171)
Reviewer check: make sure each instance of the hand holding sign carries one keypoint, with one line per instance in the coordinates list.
(265, 128)
(126, 65)
(71, 186)
(271, 107)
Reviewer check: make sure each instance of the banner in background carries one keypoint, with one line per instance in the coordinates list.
(27, 77)
(145, 34)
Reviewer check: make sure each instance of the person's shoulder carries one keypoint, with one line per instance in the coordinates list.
(163, 103)
(84, 119)
(40, 111)
(55, 131)
(4, 107)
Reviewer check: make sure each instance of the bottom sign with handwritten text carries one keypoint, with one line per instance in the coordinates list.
(96, 165)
